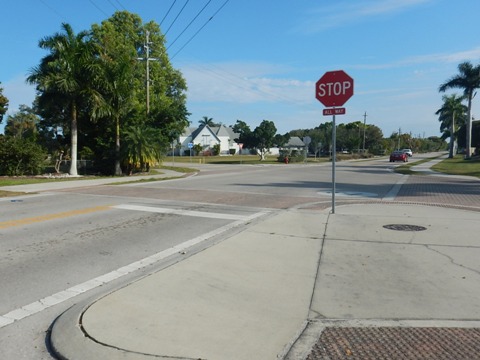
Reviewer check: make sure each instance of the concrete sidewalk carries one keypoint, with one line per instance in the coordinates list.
(251, 296)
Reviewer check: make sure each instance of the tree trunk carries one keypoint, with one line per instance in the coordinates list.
(468, 152)
(73, 155)
(262, 155)
(452, 136)
(118, 169)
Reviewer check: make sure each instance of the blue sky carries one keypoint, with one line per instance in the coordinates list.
(260, 59)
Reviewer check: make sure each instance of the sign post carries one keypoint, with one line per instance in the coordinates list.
(190, 146)
(240, 146)
(334, 89)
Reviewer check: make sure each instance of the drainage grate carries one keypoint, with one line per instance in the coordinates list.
(386, 343)
(404, 227)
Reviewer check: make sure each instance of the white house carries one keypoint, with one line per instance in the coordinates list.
(207, 137)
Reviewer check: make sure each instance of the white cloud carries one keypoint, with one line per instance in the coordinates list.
(346, 12)
(438, 58)
(243, 83)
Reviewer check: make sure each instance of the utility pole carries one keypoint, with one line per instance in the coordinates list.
(399, 134)
(147, 59)
(364, 125)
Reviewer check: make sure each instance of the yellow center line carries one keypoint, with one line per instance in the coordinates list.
(65, 214)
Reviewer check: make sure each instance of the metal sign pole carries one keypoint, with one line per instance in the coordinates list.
(334, 88)
(334, 156)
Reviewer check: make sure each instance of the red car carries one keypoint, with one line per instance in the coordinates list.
(398, 156)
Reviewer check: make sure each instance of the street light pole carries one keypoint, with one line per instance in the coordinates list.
(364, 125)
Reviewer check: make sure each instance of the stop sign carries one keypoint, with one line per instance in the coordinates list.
(334, 88)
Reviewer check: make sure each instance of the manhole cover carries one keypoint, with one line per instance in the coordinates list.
(404, 227)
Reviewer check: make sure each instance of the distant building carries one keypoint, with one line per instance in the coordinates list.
(294, 143)
(207, 137)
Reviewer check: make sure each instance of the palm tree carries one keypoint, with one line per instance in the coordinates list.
(206, 121)
(141, 147)
(116, 87)
(451, 110)
(63, 75)
(468, 79)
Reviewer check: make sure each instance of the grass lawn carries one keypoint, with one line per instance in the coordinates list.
(235, 159)
(405, 168)
(459, 166)
(26, 180)
(455, 166)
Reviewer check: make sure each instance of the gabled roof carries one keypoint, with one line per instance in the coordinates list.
(295, 141)
(188, 131)
(202, 129)
(218, 131)
(223, 130)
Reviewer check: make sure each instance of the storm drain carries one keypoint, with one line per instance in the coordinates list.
(394, 343)
(404, 227)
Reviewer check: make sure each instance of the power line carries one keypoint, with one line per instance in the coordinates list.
(120, 4)
(244, 84)
(168, 12)
(111, 3)
(190, 23)
(53, 10)
(174, 20)
(98, 8)
(205, 24)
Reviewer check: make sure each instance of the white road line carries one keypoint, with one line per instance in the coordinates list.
(392, 194)
(180, 212)
(61, 296)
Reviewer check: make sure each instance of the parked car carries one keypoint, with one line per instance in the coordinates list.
(408, 152)
(398, 156)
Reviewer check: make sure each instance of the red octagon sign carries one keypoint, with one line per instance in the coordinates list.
(334, 88)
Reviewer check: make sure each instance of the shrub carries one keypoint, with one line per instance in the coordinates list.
(294, 156)
(20, 157)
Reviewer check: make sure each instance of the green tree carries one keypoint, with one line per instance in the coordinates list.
(116, 40)
(245, 135)
(3, 104)
(281, 140)
(20, 156)
(64, 77)
(115, 84)
(325, 133)
(374, 139)
(450, 114)
(121, 41)
(216, 149)
(141, 148)
(316, 141)
(263, 137)
(197, 148)
(22, 124)
(467, 79)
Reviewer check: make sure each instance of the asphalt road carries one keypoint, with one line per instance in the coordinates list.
(54, 243)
